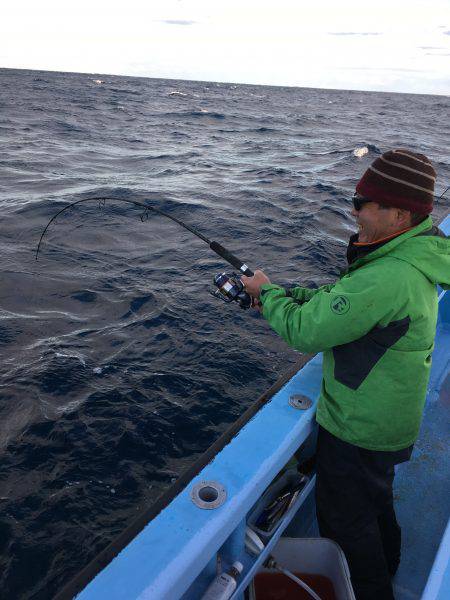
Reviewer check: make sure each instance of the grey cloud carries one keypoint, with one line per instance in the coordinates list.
(178, 22)
(446, 32)
(354, 33)
(431, 47)
(437, 54)
(399, 69)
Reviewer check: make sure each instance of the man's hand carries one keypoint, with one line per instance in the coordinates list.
(253, 284)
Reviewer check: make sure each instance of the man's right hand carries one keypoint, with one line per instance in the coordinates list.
(253, 284)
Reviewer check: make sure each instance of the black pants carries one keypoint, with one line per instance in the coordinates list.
(354, 504)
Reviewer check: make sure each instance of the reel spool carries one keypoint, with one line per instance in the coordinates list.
(231, 289)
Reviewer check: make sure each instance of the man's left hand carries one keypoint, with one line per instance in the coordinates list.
(253, 284)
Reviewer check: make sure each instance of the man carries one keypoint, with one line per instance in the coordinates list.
(376, 328)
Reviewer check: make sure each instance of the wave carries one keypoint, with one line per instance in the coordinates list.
(196, 114)
(124, 92)
(262, 130)
(329, 189)
(270, 171)
(177, 93)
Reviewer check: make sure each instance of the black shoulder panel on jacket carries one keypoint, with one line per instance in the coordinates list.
(354, 361)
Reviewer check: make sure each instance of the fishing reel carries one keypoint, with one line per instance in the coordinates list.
(230, 288)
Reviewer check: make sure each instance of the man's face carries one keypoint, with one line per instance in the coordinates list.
(375, 222)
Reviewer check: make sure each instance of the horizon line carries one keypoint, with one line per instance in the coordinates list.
(439, 94)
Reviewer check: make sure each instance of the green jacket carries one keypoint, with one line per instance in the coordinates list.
(376, 327)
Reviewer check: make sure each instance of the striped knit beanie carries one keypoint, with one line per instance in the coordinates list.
(401, 179)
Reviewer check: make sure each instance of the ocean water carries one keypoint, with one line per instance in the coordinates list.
(118, 368)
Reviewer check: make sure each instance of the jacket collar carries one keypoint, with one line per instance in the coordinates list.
(363, 253)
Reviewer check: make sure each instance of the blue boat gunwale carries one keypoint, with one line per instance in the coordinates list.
(106, 556)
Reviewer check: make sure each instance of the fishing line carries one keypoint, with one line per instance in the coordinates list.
(215, 246)
(443, 193)
(229, 285)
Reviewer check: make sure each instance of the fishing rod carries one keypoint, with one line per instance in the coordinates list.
(229, 286)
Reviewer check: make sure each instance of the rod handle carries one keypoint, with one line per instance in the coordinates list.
(231, 258)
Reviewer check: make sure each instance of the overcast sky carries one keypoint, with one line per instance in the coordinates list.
(390, 45)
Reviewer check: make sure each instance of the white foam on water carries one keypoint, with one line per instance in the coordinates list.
(360, 152)
(76, 356)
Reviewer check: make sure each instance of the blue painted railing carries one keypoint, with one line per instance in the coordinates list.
(438, 585)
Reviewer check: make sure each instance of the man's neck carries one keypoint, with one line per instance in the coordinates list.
(383, 239)
(357, 249)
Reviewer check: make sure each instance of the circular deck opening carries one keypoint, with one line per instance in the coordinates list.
(208, 494)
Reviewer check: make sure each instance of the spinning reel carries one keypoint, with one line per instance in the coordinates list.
(230, 288)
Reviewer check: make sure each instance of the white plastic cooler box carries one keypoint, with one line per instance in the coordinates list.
(315, 556)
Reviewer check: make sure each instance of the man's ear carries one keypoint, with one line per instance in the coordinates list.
(404, 218)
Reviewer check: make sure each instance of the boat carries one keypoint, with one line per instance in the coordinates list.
(211, 517)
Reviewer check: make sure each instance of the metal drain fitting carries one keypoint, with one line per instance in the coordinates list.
(299, 401)
(208, 494)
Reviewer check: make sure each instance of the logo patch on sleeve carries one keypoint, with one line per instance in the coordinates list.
(340, 305)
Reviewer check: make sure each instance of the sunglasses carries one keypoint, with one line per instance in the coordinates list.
(359, 201)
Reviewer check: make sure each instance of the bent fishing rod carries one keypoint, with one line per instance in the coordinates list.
(230, 288)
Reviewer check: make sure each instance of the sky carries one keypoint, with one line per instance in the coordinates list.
(387, 45)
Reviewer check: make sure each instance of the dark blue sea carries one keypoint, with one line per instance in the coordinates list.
(118, 368)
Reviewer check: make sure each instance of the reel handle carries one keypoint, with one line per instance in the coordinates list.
(231, 258)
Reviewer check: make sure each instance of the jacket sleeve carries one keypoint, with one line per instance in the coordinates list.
(335, 314)
(302, 294)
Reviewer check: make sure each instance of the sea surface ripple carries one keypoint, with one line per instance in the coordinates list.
(118, 368)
